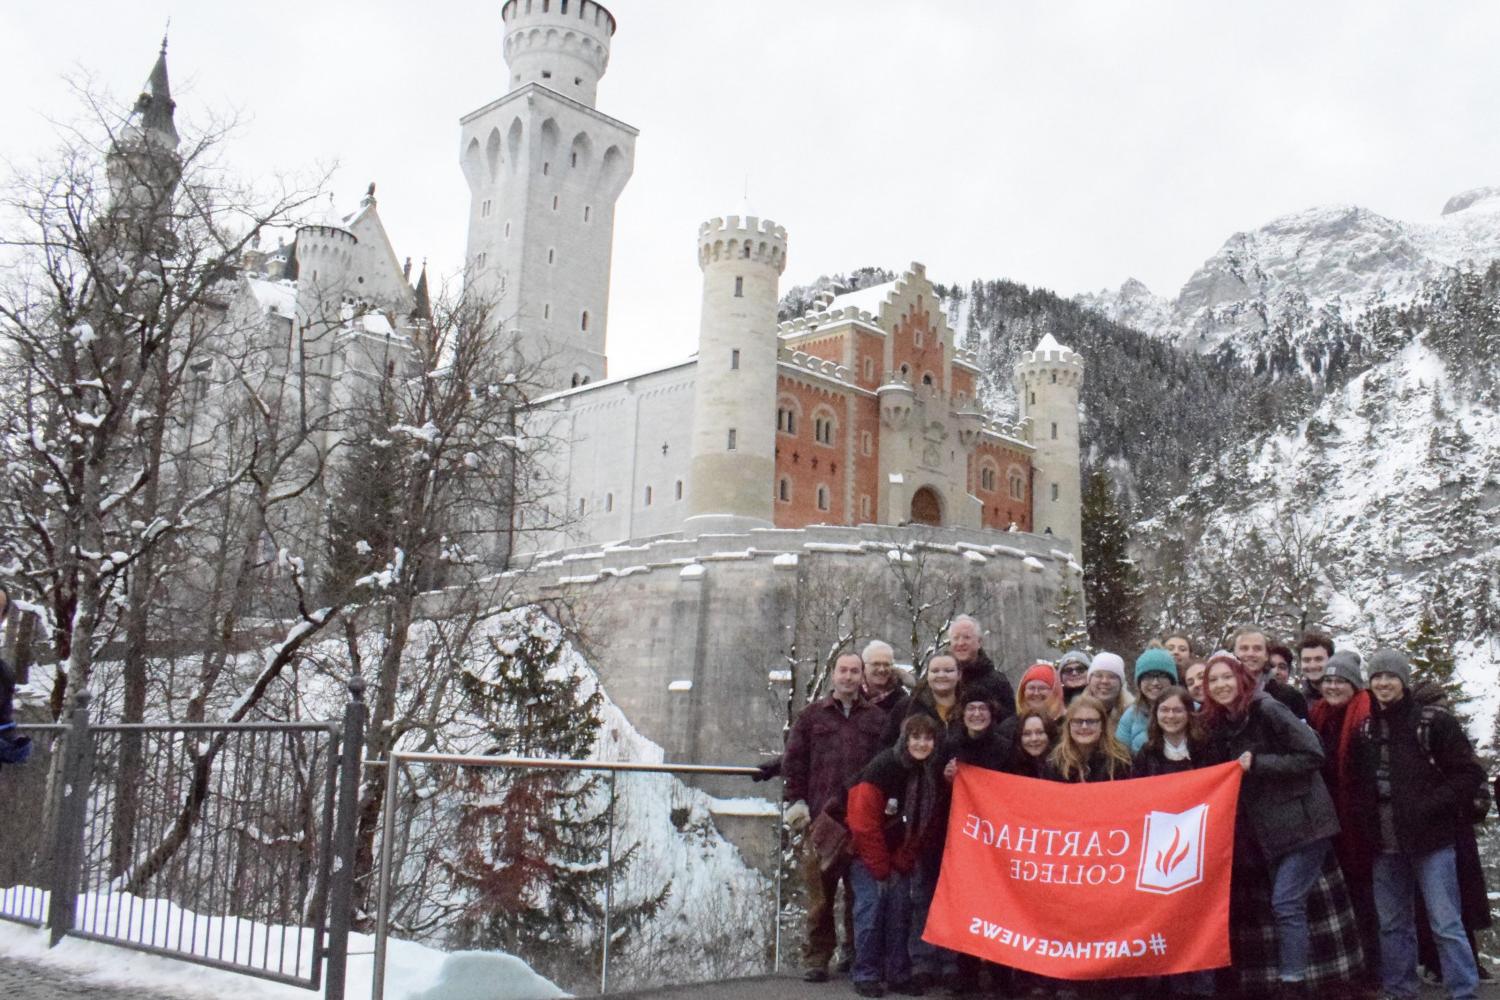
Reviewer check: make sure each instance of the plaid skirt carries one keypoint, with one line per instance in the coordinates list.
(1334, 952)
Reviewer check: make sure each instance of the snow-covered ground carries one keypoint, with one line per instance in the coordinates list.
(413, 971)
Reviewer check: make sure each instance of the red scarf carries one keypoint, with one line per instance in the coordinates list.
(1353, 850)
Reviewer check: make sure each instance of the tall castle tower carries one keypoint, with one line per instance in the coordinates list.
(544, 169)
(734, 434)
(1047, 382)
(143, 165)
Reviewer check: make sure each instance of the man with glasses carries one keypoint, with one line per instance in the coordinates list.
(976, 671)
(883, 685)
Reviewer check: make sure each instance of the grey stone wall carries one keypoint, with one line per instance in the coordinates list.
(692, 636)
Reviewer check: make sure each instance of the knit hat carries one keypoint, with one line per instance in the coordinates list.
(1109, 663)
(1390, 661)
(1345, 666)
(1074, 656)
(1155, 661)
(1222, 654)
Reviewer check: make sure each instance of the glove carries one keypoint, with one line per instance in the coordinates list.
(770, 769)
(798, 816)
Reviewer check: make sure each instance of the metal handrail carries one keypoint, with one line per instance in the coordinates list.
(553, 764)
(388, 822)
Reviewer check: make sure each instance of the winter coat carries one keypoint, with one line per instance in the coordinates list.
(893, 702)
(7, 693)
(979, 678)
(1287, 695)
(826, 748)
(921, 703)
(1283, 801)
(892, 811)
(1093, 771)
(1151, 761)
(1427, 791)
(987, 750)
(1134, 721)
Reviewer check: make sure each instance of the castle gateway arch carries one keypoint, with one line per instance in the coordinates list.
(926, 508)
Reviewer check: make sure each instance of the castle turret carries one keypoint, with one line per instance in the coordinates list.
(734, 404)
(325, 262)
(1047, 381)
(544, 170)
(561, 45)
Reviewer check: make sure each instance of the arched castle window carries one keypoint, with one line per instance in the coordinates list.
(786, 416)
(609, 502)
(784, 490)
(583, 321)
(746, 251)
(866, 443)
(585, 213)
(734, 359)
(739, 287)
(864, 506)
(1017, 483)
(582, 505)
(732, 440)
(927, 378)
(905, 371)
(648, 496)
(1054, 430)
(988, 476)
(822, 498)
(677, 490)
(1055, 491)
(823, 426)
(1054, 378)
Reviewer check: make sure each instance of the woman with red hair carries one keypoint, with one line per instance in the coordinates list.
(1286, 821)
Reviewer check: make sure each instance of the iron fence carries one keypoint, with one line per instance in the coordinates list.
(211, 843)
(435, 801)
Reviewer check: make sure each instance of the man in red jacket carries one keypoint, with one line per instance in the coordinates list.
(829, 743)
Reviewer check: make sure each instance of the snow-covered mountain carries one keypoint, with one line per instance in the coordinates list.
(1329, 262)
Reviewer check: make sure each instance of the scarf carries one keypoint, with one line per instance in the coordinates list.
(1352, 849)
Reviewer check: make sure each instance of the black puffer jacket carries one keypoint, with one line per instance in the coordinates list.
(1426, 791)
(1283, 801)
(980, 679)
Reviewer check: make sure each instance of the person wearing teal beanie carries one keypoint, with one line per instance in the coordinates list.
(1155, 671)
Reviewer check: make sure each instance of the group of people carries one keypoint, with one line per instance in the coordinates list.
(1355, 855)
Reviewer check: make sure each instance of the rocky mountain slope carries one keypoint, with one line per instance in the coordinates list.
(1322, 265)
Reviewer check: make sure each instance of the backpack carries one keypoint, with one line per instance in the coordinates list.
(1476, 809)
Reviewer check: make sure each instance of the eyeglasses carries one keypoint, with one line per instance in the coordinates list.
(1073, 671)
(1085, 723)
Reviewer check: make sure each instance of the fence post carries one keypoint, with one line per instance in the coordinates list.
(341, 885)
(67, 859)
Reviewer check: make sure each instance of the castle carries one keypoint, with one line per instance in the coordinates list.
(722, 522)
(864, 411)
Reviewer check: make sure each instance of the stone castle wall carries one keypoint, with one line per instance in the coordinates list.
(692, 636)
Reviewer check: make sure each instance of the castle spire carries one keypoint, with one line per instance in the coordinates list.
(422, 309)
(152, 116)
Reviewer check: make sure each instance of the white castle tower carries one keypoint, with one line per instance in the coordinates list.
(1047, 381)
(544, 170)
(734, 433)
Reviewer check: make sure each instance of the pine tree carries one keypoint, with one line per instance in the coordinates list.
(1111, 588)
(531, 844)
(362, 508)
(1431, 655)
(1065, 628)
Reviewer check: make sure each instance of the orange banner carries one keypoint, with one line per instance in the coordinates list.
(1123, 878)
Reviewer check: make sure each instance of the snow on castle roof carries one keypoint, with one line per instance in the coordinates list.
(1049, 343)
(865, 299)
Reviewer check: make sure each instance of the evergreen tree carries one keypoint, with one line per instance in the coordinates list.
(1431, 655)
(363, 506)
(1111, 588)
(1065, 628)
(531, 844)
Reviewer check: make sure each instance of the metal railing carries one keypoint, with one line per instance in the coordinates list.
(417, 770)
(206, 842)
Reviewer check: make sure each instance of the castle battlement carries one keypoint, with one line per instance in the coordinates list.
(727, 239)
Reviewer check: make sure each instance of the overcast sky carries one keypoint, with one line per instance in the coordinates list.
(1060, 144)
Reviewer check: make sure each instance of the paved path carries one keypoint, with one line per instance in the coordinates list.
(22, 979)
(791, 987)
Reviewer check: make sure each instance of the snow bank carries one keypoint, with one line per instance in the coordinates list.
(413, 971)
